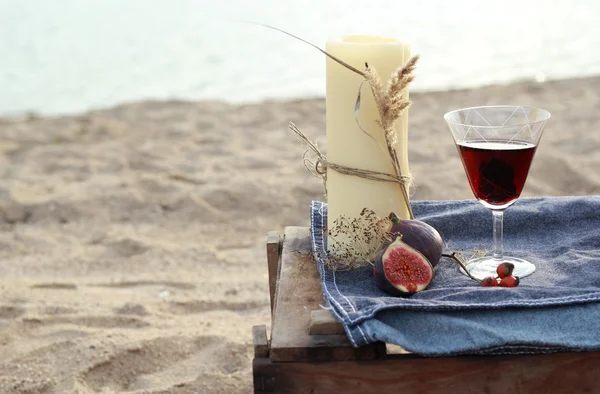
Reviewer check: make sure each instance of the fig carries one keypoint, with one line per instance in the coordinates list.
(420, 236)
(401, 270)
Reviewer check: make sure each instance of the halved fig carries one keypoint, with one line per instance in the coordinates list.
(401, 270)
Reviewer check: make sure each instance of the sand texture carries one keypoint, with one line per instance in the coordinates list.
(132, 239)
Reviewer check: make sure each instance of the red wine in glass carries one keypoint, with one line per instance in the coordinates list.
(496, 144)
(496, 170)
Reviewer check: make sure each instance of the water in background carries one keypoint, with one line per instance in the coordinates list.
(70, 55)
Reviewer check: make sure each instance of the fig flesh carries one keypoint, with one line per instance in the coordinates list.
(401, 270)
(420, 236)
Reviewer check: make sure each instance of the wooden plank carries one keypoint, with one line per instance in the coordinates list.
(260, 341)
(323, 322)
(273, 254)
(298, 293)
(551, 373)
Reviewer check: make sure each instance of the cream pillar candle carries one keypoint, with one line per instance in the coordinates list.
(349, 146)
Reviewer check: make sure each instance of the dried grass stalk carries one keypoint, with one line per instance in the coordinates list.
(391, 104)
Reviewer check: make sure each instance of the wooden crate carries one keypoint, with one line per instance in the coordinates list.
(309, 352)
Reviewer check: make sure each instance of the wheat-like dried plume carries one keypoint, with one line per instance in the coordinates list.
(391, 104)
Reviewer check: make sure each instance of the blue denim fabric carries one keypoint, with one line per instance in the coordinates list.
(557, 308)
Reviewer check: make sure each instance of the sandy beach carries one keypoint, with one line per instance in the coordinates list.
(132, 256)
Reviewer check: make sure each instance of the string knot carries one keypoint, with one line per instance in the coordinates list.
(319, 165)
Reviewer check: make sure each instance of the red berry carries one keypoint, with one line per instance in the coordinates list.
(505, 269)
(489, 281)
(509, 281)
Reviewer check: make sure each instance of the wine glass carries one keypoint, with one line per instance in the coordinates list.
(496, 145)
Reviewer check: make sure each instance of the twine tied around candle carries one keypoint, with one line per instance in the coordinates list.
(320, 165)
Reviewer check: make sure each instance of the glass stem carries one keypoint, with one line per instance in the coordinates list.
(497, 247)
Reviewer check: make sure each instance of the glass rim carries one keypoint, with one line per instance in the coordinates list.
(546, 116)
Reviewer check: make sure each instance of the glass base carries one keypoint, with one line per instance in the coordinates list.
(486, 266)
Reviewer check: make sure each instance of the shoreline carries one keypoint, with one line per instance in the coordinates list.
(36, 115)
